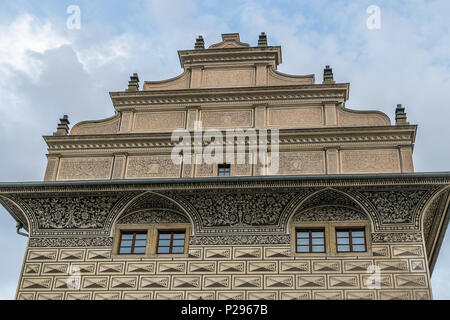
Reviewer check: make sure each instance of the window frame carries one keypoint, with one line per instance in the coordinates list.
(152, 239)
(330, 235)
(133, 241)
(171, 246)
(226, 166)
(310, 230)
(350, 230)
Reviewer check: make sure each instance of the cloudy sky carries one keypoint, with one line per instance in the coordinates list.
(47, 70)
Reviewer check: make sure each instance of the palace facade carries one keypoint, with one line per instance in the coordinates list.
(324, 202)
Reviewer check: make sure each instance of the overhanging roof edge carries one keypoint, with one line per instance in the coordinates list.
(444, 175)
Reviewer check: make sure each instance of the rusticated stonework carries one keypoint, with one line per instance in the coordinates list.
(224, 272)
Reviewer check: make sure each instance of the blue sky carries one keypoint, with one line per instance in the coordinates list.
(47, 70)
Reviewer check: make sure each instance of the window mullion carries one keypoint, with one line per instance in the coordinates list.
(133, 241)
(310, 241)
(350, 240)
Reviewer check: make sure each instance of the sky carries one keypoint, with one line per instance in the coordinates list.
(48, 69)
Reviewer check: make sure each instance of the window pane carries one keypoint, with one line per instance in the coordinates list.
(302, 234)
(224, 170)
(141, 236)
(178, 235)
(303, 241)
(127, 236)
(125, 250)
(139, 249)
(302, 248)
(342, 240)
(359, 248)
(125, 243)
(358, 240)
(140, 243)
(343, 248)
(317, 234)
(178, 243)
(164, 235)
(178, 249)
(318, 249)
(318, 241)
(164, 243)
(342, 233)
(163, 250)
(357, 233)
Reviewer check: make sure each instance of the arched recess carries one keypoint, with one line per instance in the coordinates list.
(151, 208)
(432, 221)
(329, 205)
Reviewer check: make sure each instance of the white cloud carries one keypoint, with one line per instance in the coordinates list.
(103, 53)
(22, 39)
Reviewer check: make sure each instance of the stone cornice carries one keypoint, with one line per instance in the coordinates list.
(329, 136)
(220, 55)
(335, 180)
(248, 94)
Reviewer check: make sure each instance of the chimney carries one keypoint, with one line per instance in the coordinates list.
(262, 41)
(328, 75)
(133, 84)
(199, 43)
(400, 115)
(63, 126)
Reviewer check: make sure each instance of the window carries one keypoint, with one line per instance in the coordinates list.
(310, 240)
(133, 242)
(224, 170)
(350, 240)
(171, 242)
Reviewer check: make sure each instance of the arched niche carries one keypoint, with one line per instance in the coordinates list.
(327, 206)
(151, 208)
(329, 211)
(153, 216)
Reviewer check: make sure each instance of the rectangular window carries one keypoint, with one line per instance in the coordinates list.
(351, 240)
(171, 241)
(310, 240)
(224, 170)
(133, 242)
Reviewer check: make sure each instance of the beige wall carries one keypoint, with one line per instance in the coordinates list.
(360, 142)
(292, 161)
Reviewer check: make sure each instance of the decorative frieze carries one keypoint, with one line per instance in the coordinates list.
(70, 242)
(243, 239)
(154, 216)
(330, 213)
(385, 237)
